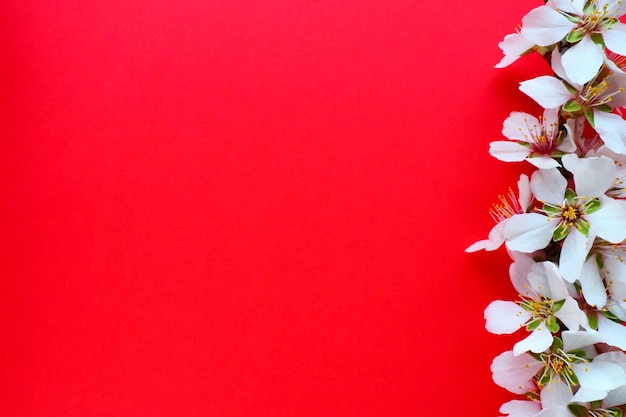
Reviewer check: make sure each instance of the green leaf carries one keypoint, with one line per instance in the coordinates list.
(552, 325)
(560, 232)
(578, 410)
(556, 306)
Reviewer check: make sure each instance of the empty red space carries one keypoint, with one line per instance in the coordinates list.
(251, 208)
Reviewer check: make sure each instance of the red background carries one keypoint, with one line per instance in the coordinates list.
(251, 208)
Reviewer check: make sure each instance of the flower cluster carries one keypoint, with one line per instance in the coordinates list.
(565, 227)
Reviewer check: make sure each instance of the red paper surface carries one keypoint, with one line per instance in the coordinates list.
(252, 208)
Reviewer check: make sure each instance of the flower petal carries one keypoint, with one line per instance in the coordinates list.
(575, 7)
(525, 196)
(528, 232)
(599, 376)
(519, 408)
(555, 395)
(549, 92)
(615, 38)
(573, 254)
(609, 222)
(538, 341)
(592, 176)
(583, 60)
(519, 271)
(515, 373)
(593, 288)
(543, 162)
(570, 314)
(612, 130)
(508, 151)
(612, 333)
(545, 26)
(516, 126)
(573, 340)
(493, 242)
(584, 395)
(548, 186)
(505, 317)
(513, 46)
(558, 289)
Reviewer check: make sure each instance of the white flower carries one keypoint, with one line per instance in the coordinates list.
(544, 300)
(534, 140)
(519, 408)
(560, 372)
(619, 185)
(582, 24)
(595, 99)
(509, 206)
(513, 46)
(574, 216)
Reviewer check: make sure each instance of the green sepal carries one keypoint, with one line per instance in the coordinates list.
(611, 316)
(560, 232)
(551, 209)
(593, 320)
(570, 88)
(604, 108)
(557, 344)
(595, 404)
(574, 379)
(533, 396)
(589, 116)
(578, 410)
(599, 262)
(583, 227)
(589, 8)
(545, 377)
(556, 306)
(591, 206)
(526, 306)
(552, 325)
(572, 106)
(617, 412)
(533, 324)
(575, 36)
(597, 38)
(570, 195)
(578, 352)
(608, 23)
